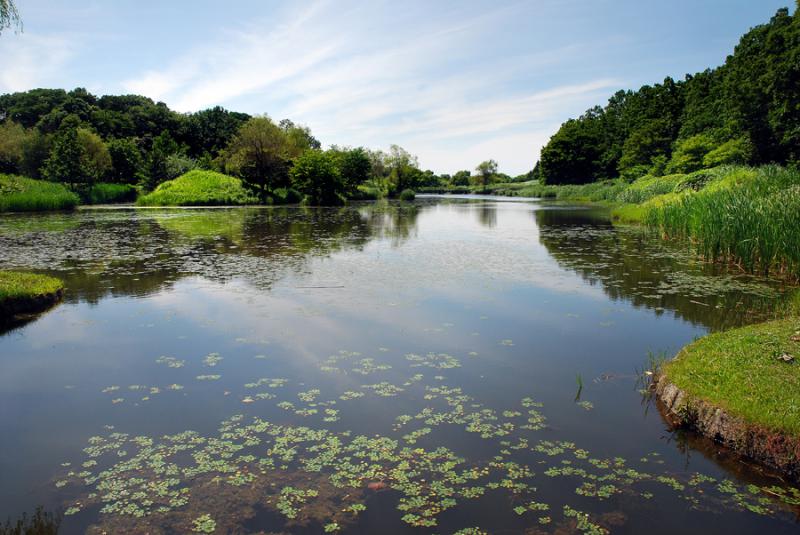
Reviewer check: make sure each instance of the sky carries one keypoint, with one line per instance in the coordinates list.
(453, 82)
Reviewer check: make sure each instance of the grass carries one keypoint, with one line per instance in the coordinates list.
(747, 217)
(739, 370)
(104, 193)
(19, 194)
(199, 188)
(26, 292)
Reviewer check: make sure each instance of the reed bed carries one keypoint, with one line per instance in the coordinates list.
(753, 222)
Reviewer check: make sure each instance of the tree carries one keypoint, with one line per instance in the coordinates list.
(316, 175)
(260, 154)
(155, 169)
(461, 178)
(355, 166)
(64, 162)
(486, 172)
(126, 160)
(403, 169)
(95, 159)
(9, 16)
(12, 141)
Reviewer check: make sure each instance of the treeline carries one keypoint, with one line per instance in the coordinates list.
(80, 139)
(746, 111)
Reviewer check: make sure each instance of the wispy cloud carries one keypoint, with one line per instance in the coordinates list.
(360, 76)
(33, 60)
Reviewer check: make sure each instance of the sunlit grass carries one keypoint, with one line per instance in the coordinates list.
(22, 285)
(199, 188)
(19, 194)
(740, 371)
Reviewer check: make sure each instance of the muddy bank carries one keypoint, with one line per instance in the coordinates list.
(772, 448)
(12, 308)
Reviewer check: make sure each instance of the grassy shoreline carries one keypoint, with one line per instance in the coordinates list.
(25, 293)
(740, 388)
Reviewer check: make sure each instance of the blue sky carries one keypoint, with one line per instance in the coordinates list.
(452, 82)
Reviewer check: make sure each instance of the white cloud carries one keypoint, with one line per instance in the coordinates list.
(32, 60)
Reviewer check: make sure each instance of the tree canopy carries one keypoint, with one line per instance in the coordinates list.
(745, 111)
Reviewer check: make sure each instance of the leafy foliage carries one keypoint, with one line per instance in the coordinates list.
(745, 111)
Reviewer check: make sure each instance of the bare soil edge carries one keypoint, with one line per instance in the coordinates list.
(775, 449)
(9, 308)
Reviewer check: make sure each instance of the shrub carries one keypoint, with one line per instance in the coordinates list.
(407, 195)
(104, 193)
(199, 188)
(735, 151)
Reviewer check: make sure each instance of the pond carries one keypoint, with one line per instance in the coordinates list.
(446, 366)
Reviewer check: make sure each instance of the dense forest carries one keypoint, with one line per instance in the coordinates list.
(80, 139)
(746, 111)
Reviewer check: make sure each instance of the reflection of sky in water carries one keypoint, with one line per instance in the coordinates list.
(526, 298)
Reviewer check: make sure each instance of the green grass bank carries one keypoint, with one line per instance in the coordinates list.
(741, 388)
(199, 188)
(24, 293)
(19, 194)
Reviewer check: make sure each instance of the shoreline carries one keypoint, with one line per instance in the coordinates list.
(775, 449)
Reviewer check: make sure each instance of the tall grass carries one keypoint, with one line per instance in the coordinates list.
(751, 219)
(104, 193)
(19, 194)
(199, 188)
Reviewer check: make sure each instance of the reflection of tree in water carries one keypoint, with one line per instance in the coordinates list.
(487, 214)
(396, 221)
(143, 252)
(649, 273)
(40, 522)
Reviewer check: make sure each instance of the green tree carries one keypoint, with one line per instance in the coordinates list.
(126, 160)
(461, 178)
(689, 153)
(403, 168)
(260, 154)
(316, 175)
(12, 141)
(355, 166)
(64, 162)
(155, 169)
(486, 172)
(95, 159)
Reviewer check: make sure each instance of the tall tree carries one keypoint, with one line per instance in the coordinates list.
(486, 172)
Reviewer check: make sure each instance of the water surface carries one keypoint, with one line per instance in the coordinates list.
(450, 364)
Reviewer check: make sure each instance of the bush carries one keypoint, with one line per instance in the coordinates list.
(199, 188)
(407, 195)
(104, 193)
(735, 151)
(18, 194)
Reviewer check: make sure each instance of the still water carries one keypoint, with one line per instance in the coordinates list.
(451, 364)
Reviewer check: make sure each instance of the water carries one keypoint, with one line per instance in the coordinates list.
(508, 333)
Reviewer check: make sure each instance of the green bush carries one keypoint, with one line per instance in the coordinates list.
(19, 194)
(735, 151)
(199, 188)
(104, 193)
(407, 195)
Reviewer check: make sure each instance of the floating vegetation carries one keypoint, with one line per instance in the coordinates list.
(204, 524)
(171, 362)
(439, 361)
(208, 377)
(212, 359)
(384, 389)
(368, 366)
